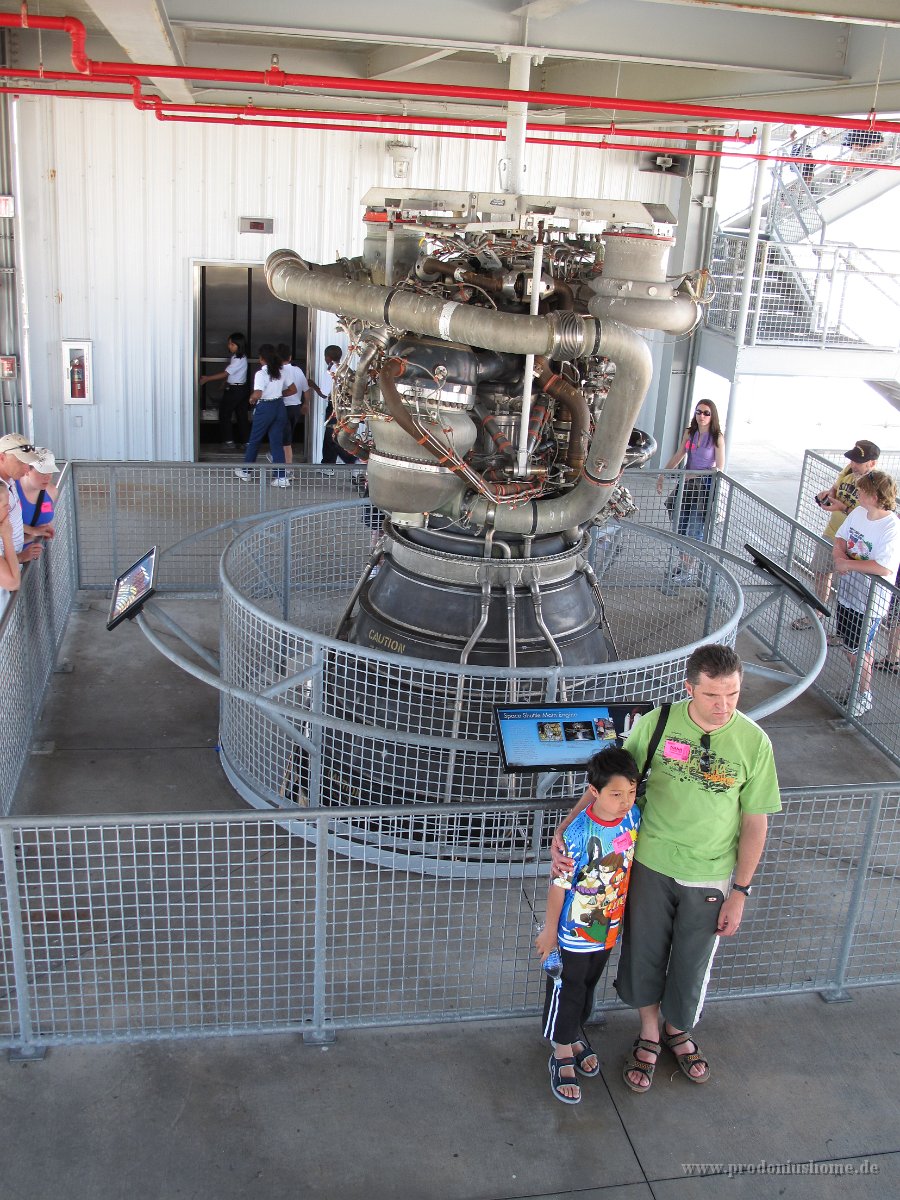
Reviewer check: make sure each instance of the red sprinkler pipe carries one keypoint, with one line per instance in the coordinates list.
(253, 111)
(275, 77)
(234, 115)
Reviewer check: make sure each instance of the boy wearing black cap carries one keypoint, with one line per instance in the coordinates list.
(838, 501)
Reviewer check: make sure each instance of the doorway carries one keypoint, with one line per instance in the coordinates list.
(229, 298)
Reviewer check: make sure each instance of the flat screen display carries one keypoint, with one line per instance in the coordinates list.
(132, 589)
(785, 577)
(548, 737)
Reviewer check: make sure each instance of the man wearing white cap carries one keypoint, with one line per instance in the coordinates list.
(17, 454)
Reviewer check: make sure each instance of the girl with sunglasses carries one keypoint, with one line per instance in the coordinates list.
(702, 449)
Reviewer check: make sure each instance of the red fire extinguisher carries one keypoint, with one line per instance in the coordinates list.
(76, 379)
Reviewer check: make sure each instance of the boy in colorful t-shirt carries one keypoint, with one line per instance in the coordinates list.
(584, 914)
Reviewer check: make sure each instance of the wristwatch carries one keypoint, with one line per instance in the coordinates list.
(740, 887)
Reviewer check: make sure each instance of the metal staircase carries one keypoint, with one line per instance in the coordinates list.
(835, 295)
(806, 197)
(806, 291)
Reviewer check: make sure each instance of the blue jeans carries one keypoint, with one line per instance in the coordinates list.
(695, 497)
(269, 420)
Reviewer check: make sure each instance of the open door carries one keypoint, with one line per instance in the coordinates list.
(229, 298)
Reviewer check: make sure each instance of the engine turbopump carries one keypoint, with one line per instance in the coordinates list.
(495, 413)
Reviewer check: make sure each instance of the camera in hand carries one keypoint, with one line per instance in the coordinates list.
(823, 500)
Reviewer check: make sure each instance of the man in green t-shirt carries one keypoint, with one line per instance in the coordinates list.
(711, 784)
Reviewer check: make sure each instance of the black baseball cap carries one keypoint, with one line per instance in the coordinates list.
(863, 451)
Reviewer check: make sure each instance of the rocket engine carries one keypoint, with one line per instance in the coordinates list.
(493, 378)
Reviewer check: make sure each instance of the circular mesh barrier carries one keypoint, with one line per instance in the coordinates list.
(336, 724)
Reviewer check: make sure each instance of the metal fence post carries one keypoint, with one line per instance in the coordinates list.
(27, 1049)
(838, 994)
(318, 1034)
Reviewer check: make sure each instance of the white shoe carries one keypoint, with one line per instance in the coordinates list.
(243, 473)
(863, 703)
(282, 482)
(329, 471)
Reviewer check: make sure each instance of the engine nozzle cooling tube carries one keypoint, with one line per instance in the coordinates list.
(572, 399)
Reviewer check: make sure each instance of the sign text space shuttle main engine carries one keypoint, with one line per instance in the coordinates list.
(492, 383)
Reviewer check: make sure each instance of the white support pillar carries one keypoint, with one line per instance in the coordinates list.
(512, 165)
(740, 336)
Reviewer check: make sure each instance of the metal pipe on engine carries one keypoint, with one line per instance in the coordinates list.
(558, 335)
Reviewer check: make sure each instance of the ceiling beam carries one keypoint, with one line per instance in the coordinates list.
(142, 29)
(845, 12)
(388, 61)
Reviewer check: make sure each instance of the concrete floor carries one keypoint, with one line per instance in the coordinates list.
(453, 1112)
(465, 1113)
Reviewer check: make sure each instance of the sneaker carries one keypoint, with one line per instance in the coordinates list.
(282, 482)
(801, 623)
(329, 471)
(834, 639)
(243, 473)
(230, 446)
(862, 704)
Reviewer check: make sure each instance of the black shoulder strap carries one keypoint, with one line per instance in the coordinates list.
(661, 721)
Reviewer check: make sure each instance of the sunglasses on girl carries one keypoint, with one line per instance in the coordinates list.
(703, 412)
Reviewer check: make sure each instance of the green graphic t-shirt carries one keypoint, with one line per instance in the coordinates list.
(693, 805)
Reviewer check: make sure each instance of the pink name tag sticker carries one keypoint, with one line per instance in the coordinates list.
(622, 844)
(680, 751)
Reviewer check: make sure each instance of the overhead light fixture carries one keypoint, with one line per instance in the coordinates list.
(402, 155)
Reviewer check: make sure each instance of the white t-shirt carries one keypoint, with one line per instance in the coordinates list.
(870, 541)
(271, 388)
(236, 370)
(15, 516)
(291, 373)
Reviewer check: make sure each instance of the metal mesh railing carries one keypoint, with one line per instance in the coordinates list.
(353, 725)
(123, 508)
(141, 927)
(136, 927)
(31, 631)
(805, 295)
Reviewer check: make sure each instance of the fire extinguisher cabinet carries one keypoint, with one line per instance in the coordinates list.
(78, 375)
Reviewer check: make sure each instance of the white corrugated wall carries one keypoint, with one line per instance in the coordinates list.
(115, 207)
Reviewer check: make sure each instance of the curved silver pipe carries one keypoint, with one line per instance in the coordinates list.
(560, 335)
(678, 314)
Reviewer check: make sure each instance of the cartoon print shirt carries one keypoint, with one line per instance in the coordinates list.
(869, 540)
(591, 917)
(693, 805)
(846, 491)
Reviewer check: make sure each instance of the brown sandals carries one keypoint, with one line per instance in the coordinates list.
(633, 1063)
(686, 1061)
